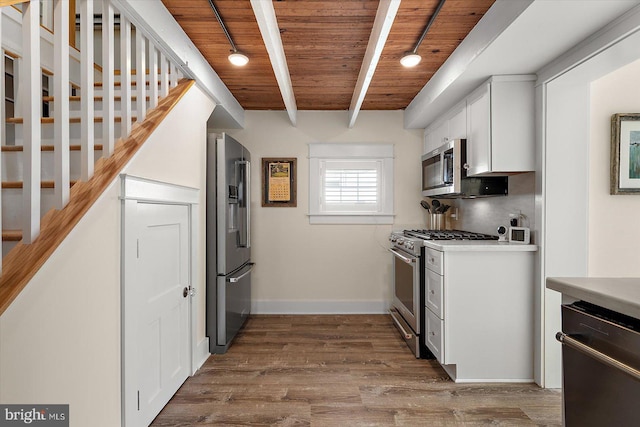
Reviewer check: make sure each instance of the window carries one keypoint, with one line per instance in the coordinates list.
(351, 183)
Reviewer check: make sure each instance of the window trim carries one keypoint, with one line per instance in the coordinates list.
(322, 152)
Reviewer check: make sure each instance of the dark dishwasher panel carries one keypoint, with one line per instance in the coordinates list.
(601, 367)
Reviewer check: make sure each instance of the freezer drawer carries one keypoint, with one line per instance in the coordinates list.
(234, 305)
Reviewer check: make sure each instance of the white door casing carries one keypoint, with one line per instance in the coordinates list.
(158, 322)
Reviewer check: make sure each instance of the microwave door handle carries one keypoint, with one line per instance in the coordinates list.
(445, 162)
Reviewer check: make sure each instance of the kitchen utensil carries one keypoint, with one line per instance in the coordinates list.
(425, 205)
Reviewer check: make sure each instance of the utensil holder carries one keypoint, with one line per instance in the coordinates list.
(436, 221)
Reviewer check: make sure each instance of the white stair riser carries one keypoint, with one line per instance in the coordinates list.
(6, 247)
(74, 132)
(12, 206)
(74, 108)
(12, 165)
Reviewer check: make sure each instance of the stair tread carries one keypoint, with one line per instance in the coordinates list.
(48, 147)
(20, 184)
(11, 235)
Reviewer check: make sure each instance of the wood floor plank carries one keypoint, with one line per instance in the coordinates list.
(344, 370)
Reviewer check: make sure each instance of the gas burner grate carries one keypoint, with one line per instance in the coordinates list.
(448, 235)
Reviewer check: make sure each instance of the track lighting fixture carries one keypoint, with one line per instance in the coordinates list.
(236, 57)
(411, 59)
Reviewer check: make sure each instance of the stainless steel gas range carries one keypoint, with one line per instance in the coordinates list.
(407, 308)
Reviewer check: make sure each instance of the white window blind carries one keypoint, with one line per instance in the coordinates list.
(351, 183)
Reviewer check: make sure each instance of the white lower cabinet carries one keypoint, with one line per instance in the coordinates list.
(479, 314)
(434, 338)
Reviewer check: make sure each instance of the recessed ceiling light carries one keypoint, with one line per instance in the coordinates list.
(239, 59)
(410, 59)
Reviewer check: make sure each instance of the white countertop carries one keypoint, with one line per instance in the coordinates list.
(617, 294)
(478, 245)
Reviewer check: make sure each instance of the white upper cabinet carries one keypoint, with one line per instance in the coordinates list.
(458, 121)
(500, 126)
(452, 125)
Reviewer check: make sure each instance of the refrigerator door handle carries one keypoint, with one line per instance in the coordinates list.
(238, 278)
(246, 194)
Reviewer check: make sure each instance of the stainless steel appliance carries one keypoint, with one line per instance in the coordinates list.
(228, 240)
(444, 174)
(408, 304)
(601, 366)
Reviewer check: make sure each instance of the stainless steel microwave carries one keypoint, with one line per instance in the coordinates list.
(442, 169)
(444, 175)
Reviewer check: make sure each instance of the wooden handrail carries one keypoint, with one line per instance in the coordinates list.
(11, 2)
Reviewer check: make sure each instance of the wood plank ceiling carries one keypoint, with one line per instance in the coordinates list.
(324, 43)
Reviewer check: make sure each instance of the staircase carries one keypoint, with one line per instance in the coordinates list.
(69, 125)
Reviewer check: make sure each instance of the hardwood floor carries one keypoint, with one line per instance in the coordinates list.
(345, 370)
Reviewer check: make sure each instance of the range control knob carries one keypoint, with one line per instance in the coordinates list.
(400, 241)
(409, 245)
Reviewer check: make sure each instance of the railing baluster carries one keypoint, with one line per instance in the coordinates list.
(125, 75)
(174, 74)
(86, 90)
(61, 102)
(164, 76)
(32, 78)
(108, 67)
(153, 76)
(141, 76)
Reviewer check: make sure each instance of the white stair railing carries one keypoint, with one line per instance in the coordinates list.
(35, 49)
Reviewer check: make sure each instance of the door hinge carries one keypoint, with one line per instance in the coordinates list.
(138, 400)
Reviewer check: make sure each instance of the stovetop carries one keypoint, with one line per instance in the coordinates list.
(447, 235)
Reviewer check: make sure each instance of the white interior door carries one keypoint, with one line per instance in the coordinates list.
(163, 300)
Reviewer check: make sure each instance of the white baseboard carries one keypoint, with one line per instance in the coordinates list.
(318, 307)
(202, 353)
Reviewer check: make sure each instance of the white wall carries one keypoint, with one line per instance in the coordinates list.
(614, 231)
(60, 339)
(325, 268)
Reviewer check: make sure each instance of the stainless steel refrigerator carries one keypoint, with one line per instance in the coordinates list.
(228, 240)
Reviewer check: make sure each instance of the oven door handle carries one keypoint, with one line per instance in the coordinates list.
(402, 257)
(406, 334)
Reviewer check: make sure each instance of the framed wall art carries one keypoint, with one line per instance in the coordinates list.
(279, 182)
(625, 153)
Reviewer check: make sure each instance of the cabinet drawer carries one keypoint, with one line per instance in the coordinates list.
(435, 338)
(434, 260)
(434, 293)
